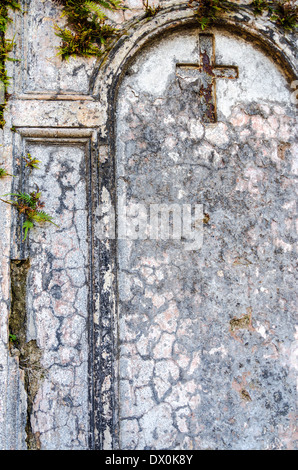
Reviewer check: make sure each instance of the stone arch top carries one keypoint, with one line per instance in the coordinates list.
(110, 77)
(263, 33)
(169, 153)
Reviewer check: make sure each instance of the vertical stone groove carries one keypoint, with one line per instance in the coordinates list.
(27, 353)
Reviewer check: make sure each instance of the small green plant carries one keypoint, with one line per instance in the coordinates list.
(6, 46)
(31, 162)
(150, 11)
(87, 32)
(260, 6)
(13, 338)
(206, 11)
(4, 173)
(282, 12)
(285, 14)
(31, 207)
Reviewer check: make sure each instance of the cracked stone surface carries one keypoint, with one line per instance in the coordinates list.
(46, 72)
(57, 298)
(191, 377)
(207, 352)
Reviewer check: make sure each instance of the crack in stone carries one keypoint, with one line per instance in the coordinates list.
(28, 353)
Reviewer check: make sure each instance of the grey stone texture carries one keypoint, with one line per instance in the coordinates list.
(191, 375)
(57, 299)
(144, 343)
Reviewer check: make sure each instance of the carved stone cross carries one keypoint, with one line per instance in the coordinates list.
(202, 77)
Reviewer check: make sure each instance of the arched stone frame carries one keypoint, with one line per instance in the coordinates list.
(104, 353)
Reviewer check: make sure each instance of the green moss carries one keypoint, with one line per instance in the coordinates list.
(17, 318)
(285, 14)
(87, 32)
(282, 12)
(6, 47)
(259, 6)
(206, 11)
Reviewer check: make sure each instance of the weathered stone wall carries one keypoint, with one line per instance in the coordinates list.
(199, 344)
(206, 334)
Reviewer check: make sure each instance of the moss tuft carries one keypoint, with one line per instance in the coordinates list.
(87, 32)
(6, 46)
(282, 12)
